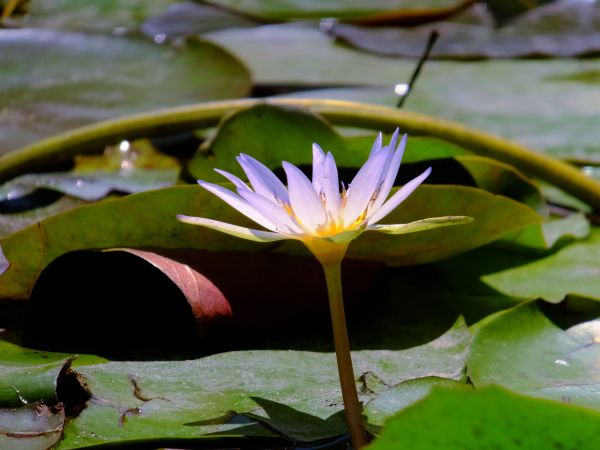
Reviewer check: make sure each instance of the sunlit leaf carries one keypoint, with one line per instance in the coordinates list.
(524, 351)
(490, 418)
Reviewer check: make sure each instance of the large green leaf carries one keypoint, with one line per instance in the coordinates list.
(108, 16)
(549, 105)
(271, 134)
(295, 392)
(564, 29)
(570, 271)
(524, 351)
(68, 90)
(489, 418)
(148, 220)
(403, 395)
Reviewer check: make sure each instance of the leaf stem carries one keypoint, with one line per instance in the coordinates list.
(89, 139)
(352, 406)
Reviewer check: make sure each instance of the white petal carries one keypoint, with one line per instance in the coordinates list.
(421, 225)
(394, 139)
(390, 177)
(398, 197)
(304, 201)
(376, 144)
(317, 167)
(239, 184)
(272, 212)
(262, 179)
(238, 203)
(363, 186)
(331, 187)
(234, 230)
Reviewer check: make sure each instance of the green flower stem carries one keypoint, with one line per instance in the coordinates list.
(173, 120)
(352, 406)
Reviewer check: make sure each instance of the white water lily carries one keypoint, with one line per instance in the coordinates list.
(326, 221)
(317, 213)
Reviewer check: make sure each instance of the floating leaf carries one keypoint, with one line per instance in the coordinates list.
(563, 29)
(188, 19)
(524, 351)
(401, 396)
(548, 105)
(108, 16)
(546, 235)
(570, 271)
(489, 418)
(31, 427)
(271, 134)
(66, 90)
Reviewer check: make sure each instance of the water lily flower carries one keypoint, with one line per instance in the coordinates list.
(326, 221)
(316, 212)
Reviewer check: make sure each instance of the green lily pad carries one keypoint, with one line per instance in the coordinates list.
(493, 217)
(402, 396)
(67, 90)
(296, 393)
(108, 16)
(269, 133)
(30, 376)
(546, 104)
(570, 271)
(90, 186)
(546, 235)
(524, 351)
(489, 418)
(561, 29)
(148, 220)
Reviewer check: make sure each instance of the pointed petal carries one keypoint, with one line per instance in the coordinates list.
(363, 186)
(238, 203)
(394, 139)
(331, 187)
(234, 230)
(398, 197)
(304, 201)
(275, 213)
(421, 225)
(262, 179)
(376, 144)
(317, 167)
(239, 184)
(390, 177)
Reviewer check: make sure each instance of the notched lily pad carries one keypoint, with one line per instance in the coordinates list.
(524, 351)
(570, 271)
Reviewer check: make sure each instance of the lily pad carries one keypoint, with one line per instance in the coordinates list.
(296, 393)
(524, 351)
(470, 419)
(269, 133)
(108, 16)
(553, 232)
(402, 396)
(561, 29)
(548, 105)
(67, 90)
(570, 271)
(148, 220)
